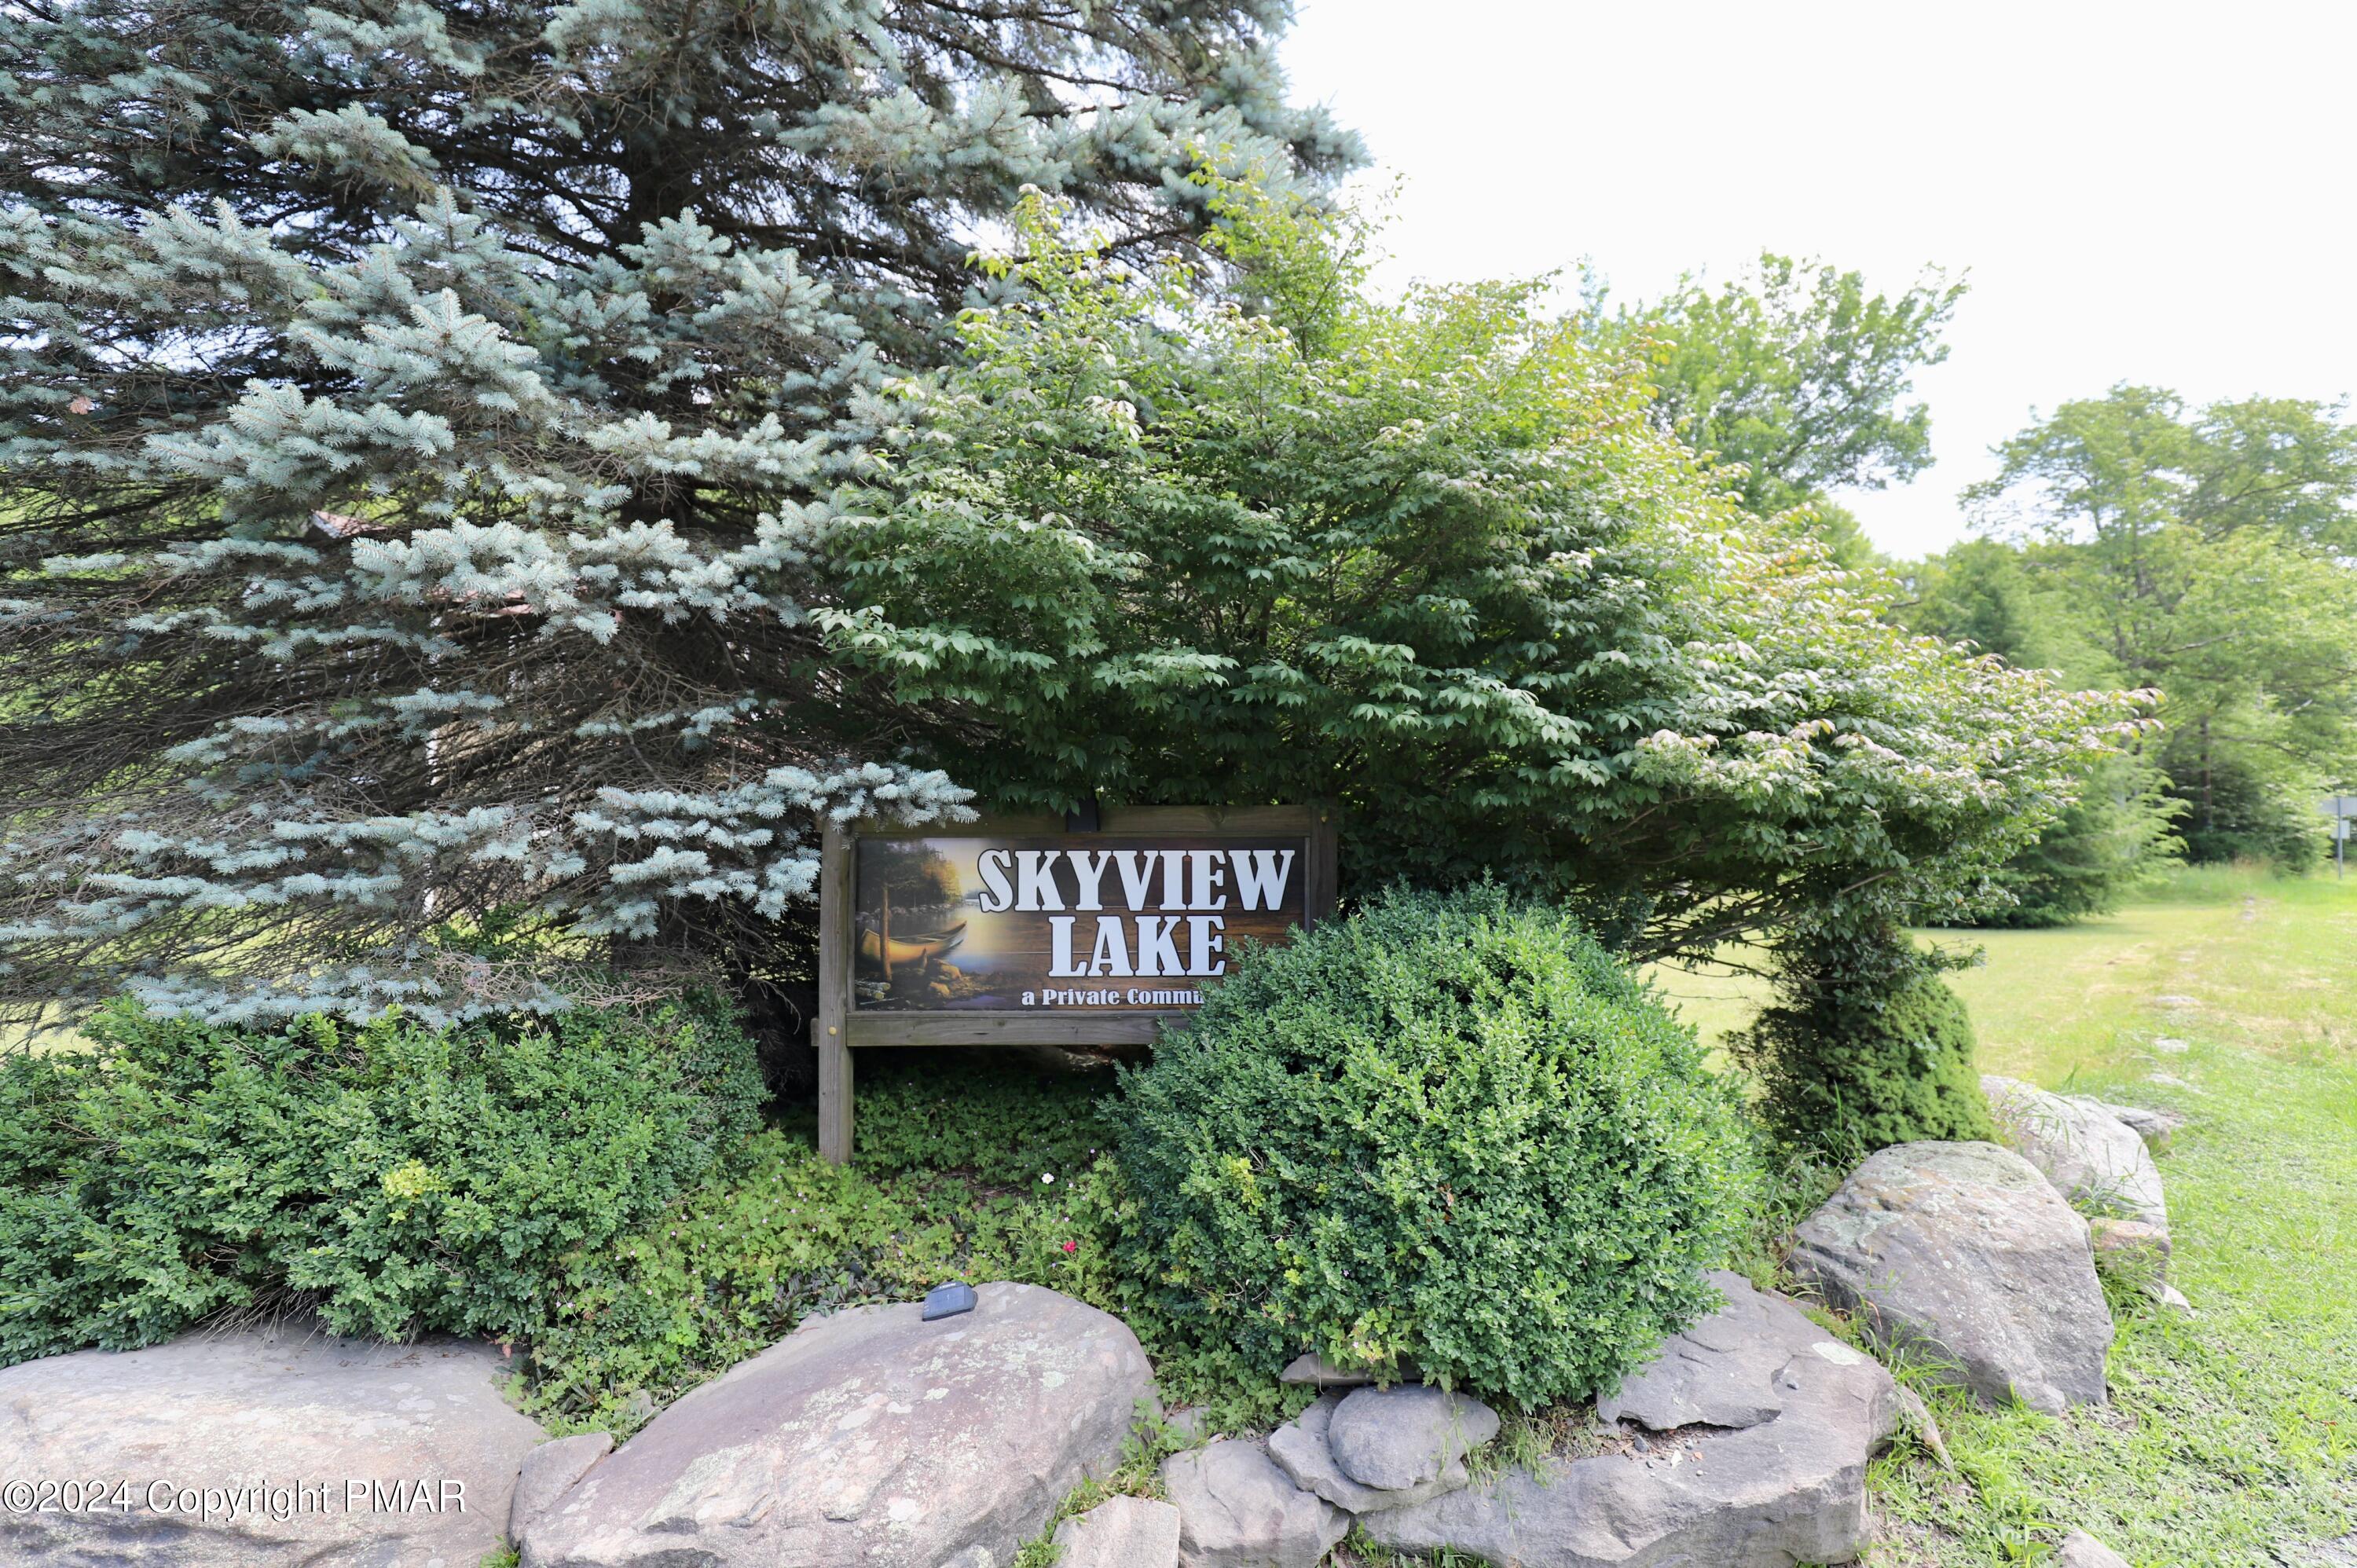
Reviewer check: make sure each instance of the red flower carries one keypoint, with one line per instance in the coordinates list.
(1072, 1246)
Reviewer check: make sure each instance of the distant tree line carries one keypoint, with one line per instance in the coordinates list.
(2129, 540)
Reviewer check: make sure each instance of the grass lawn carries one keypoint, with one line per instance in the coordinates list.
(2231, 1439)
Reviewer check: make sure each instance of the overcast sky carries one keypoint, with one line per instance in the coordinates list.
(2144, 192)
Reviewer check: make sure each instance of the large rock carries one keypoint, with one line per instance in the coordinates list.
(259, 1448)
(1120, 1533)
(2094, 1158)
(1302, 1451)
(1787, 1487)
(1396, 1438)
(1966, 1252)
(867, 1437)
(1237, 1509)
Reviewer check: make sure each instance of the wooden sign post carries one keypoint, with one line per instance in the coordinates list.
(1015, 931)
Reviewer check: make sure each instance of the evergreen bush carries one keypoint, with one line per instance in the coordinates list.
(399, 1178)
(1865, 1046)
(1450, 1132)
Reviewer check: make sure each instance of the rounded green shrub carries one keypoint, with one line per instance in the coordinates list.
(1865, 1046)
(1450, 1132)
(397, 1178)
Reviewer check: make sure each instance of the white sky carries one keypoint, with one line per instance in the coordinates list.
(2147, 192)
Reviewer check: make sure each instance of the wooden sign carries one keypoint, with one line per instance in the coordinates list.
(1017, 931)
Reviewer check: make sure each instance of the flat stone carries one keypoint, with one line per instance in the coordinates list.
(1965, 1253)
(1790, 1489)
(1301, 1450)
(1720, 1372)
(549, 1472)
(1120, 1533)
(1915, 1417)
(1186, 1425)
(406, 1454)
(2156, 1128)
(2093, 1157)
(1396, 1438)
(868, 1438)
(1319, 1372)
(2169, 1296)
(1237, 1509)
(2080, 1550)
(2128, 1245)
(2170, 1045)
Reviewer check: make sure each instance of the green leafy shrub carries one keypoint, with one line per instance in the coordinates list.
(968, 1167)
(1865, 1046)
(1004, 1122)
(1449, 1131)
(400, 1178)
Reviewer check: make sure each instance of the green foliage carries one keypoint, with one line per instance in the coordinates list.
(966, 1171)
(403, 1180)
(2115, 842)
(1428, 558)
(2119, 834)
(1865, 1046)
(417, 419)
(2206, 553)
(1451, 1132)
(1794, 381)
(995, 1117)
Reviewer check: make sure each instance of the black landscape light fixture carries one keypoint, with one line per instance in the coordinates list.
(947, 1301)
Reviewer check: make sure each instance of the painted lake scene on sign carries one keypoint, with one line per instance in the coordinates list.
(1064, 922)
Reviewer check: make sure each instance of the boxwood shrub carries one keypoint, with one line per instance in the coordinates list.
(398, 1178)
(1449, 1131)
(1865, 1046)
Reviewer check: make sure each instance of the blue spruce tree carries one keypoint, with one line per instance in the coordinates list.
(413, 418)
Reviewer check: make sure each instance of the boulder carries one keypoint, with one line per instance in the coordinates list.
(2156, 1128)
(1302, 1451)
(1966, 1252)
(549, 1472)
(261, 1447)
(1120, 1533)
(1720, 1372)
(867, 1437)
(1394, 1438)
(2080, 1550)
(2093, 1157)
(1237, 1509)
(1787, 1487)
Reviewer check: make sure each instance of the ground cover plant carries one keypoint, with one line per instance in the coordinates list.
(969, 1167)
(398, 1178)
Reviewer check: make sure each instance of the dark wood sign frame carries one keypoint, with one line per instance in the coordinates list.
(841, 1027)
